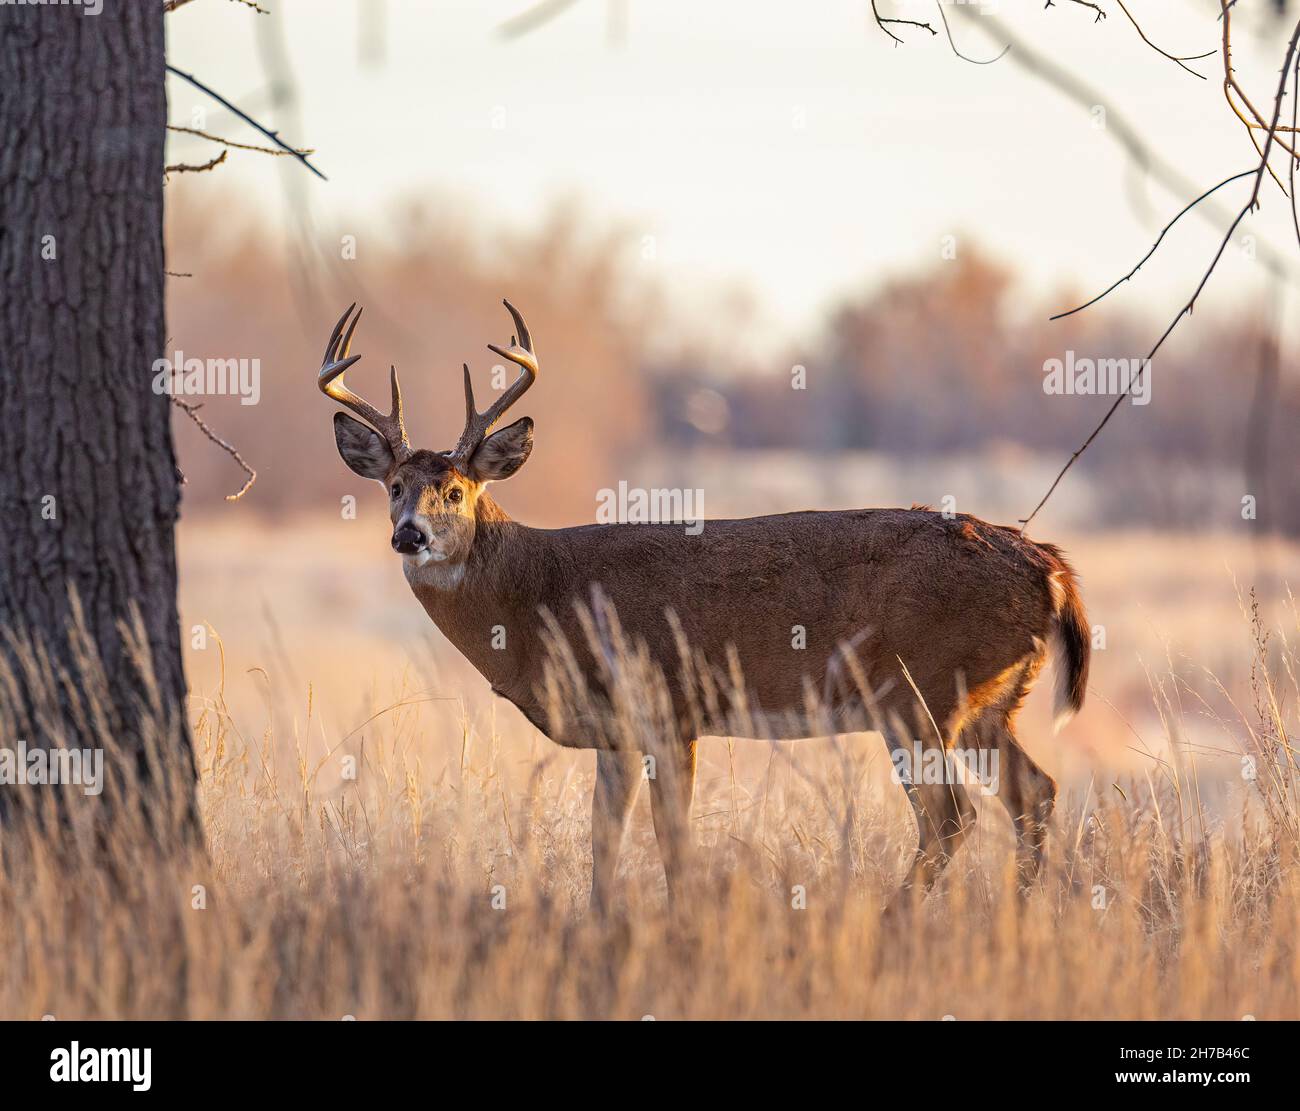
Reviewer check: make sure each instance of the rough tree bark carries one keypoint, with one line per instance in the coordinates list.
(89, 490)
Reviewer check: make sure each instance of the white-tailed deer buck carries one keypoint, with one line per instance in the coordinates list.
(936, 625)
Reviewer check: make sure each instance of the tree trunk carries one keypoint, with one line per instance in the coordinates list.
(89, 490)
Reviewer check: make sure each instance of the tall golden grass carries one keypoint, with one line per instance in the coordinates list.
(431, 860)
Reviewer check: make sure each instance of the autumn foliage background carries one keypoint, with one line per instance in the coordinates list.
(942, 363)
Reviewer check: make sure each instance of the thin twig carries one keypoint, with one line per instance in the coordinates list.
(953, 44)
(186, 168)
(1250, 134)
(881, 21)
(1173, 58)
(1121, 281)
(275, 138)
(1118, 128)
(1263, 126)
(172, 5)
(1083, 4)
(1191, 304)
(1231, 85)
(276, 151)
(1295, 116)
(190, 409)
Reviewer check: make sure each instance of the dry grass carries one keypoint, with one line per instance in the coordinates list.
(448, 878)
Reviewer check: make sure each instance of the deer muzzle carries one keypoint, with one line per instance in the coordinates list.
(407, 539)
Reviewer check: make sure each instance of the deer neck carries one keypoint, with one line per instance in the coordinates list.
(487, 605)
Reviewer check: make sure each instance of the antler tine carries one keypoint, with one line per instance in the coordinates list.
(520, 352)
(334, 335)
(396, 411)
(330, 380)
(520, 327)
(470, 412)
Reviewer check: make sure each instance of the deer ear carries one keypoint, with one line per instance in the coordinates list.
(503, 453)
(363, 449)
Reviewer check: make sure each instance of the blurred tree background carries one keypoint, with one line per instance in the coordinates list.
(943, 362)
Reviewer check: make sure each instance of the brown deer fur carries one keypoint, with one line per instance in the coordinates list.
(909, 602)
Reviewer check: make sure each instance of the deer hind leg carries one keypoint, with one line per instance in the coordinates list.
(1028, 793)
(944, 812)
(618, 779)
(944, 816)
(672, 791)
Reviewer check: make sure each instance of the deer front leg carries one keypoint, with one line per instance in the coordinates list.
(672, 790)
(618, 778)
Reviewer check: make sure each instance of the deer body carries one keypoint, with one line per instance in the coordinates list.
(936, 625)
(755, 585)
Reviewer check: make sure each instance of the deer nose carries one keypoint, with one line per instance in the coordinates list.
(408, 540)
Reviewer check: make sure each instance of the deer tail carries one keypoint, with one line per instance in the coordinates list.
(1071, 640)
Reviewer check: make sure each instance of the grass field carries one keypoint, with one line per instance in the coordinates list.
(385, 839)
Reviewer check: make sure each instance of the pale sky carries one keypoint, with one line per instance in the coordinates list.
(791, 146)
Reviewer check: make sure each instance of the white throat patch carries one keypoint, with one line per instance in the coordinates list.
(428, 568)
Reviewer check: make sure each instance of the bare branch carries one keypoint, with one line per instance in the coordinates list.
(1121, 281)
(276, 151)
(948, 31)
(881, 21)
(1173, 58)
(1083, 4)
(1231, 85)
(1264, 127)
(1118, 128)
(191, 410)
(273, 136)
(1186, 310)
(1295, 116)
(185, 168)
(172, 5)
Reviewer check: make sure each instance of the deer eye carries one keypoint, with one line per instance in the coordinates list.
(397, 490)
(454, 495)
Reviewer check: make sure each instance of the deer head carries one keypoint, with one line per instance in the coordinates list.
(433, 496)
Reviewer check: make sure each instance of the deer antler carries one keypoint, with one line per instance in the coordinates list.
(331, 384)
(478, 425)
